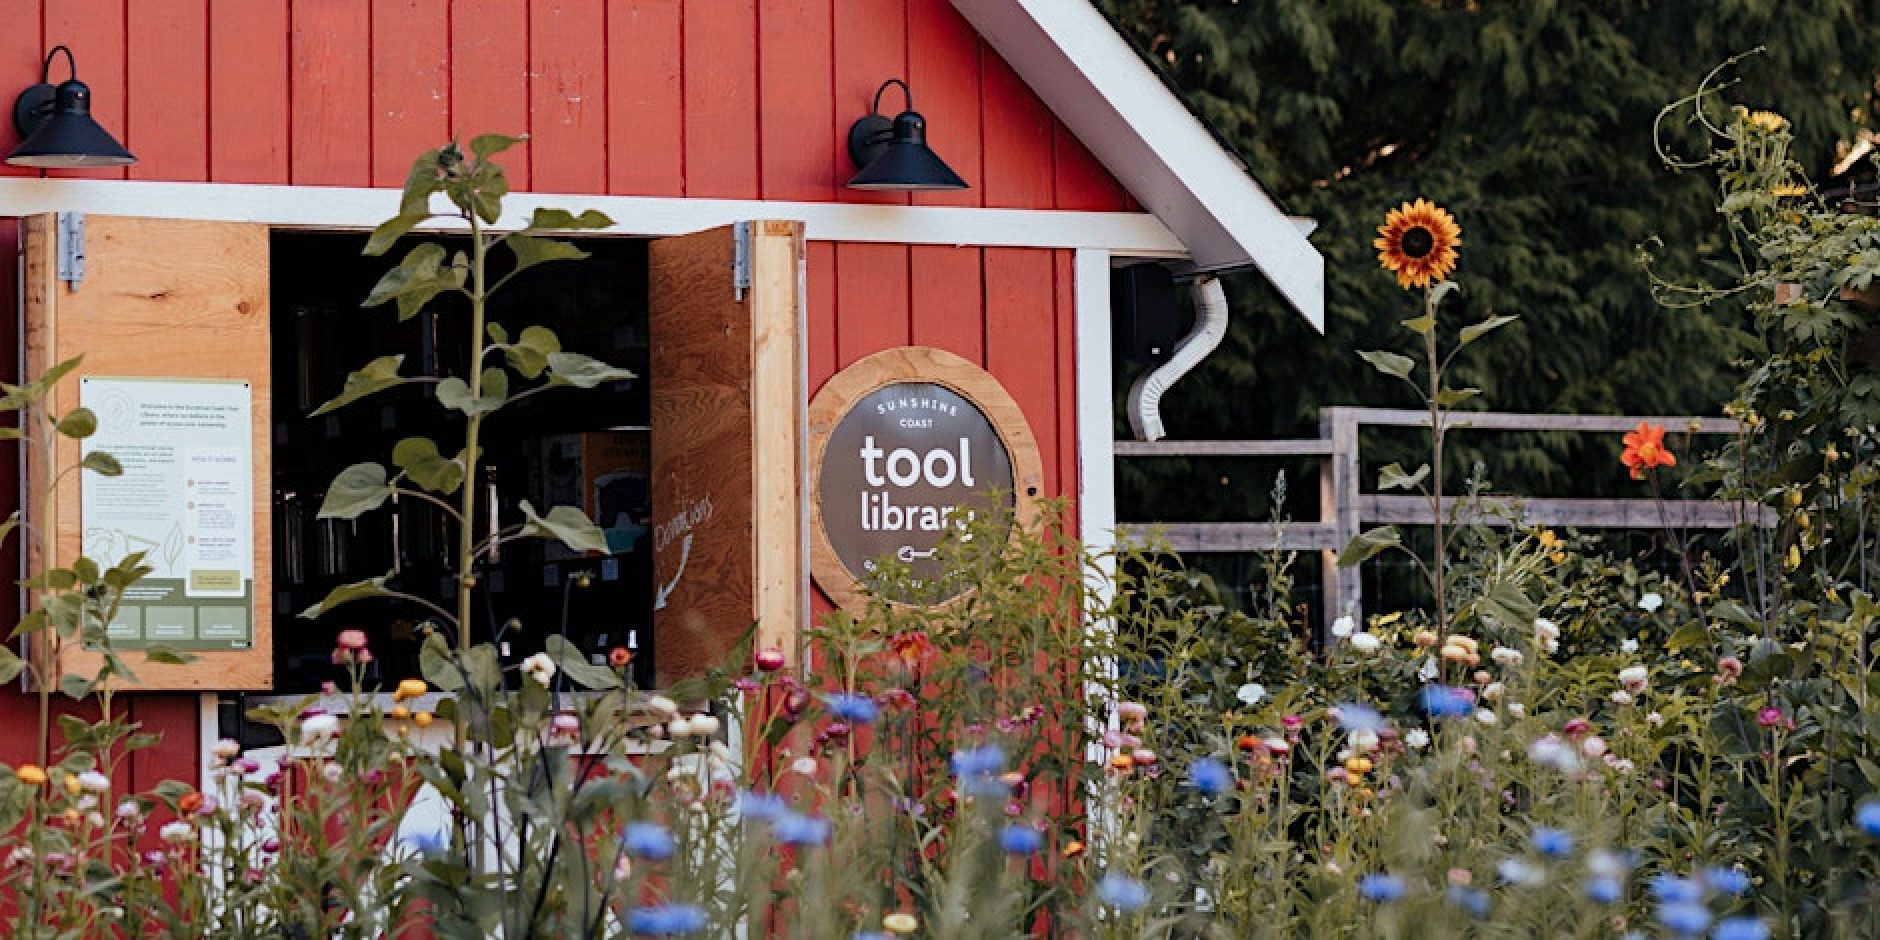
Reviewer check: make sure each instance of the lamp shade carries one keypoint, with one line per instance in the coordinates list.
(66, 135)
(895, 156)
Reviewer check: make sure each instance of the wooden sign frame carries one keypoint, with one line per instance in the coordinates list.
(912, 364)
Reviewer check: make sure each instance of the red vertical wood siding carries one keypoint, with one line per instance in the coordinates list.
(743, 99)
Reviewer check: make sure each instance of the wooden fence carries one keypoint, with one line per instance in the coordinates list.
(1345, 509)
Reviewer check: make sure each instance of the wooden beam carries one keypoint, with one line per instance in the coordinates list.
(1233, 536)
(1293, 448)
(1511, 421)
(1575, 513)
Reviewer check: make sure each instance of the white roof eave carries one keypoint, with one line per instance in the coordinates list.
(1146, 137)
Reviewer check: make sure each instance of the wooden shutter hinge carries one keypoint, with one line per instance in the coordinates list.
(740, 259)
(71, 249)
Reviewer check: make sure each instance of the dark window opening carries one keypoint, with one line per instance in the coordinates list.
(567, 446)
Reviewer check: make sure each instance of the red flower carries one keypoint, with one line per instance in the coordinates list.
(913, 647)
(1645, 449)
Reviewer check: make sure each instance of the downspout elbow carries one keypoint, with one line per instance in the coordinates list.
(1145, 397)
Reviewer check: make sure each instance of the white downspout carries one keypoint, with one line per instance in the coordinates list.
(1145, 397)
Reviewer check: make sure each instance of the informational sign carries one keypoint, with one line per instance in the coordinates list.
(184, 500)
(909, 445)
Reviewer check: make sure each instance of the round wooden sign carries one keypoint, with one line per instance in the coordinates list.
(903, 445)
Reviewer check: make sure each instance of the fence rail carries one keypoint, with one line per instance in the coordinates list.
(1345, 509)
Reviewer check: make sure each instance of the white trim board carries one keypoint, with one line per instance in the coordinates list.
(1132, 234)
(1143, 134)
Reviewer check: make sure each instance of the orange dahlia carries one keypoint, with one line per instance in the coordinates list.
(1417, 242)
(1645, 449)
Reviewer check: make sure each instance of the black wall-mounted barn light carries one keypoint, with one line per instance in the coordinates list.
(57, 126)
(893, 155)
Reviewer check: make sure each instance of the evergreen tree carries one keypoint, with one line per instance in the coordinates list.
(1533, 121)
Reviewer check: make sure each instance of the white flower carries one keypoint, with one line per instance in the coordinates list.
(704, 724)
(1366, 643)
(319, 726)
(1546, 635)
(1343, 626)
(1551, 751)
(1628, 646)
(227, 749)
(1521, 872)
(1605, 863)
(1654, 719)
(1619, 765)
(1650, 601)
(1505, 656)
(1253, 693)
(1492, 691)
(1517, 710)
(1416, 739)
(94, 781)
(1634, 678)
(662, 705)
(681, 727)
(1593, 746)
(1621, 697)
(539, 667)
(1429, 670)
(1486, 717)
(178, 831)
(804, 765)
(1364, 742)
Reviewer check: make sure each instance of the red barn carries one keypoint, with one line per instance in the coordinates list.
(269, 134)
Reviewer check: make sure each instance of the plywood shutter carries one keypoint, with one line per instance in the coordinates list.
(728, 435)
(160, 298)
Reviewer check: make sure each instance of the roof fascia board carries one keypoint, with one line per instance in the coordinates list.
(1095, 83)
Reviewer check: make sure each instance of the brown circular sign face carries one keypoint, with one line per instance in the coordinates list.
(908, 444)
(908, 461)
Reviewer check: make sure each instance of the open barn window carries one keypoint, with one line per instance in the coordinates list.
(693, 469)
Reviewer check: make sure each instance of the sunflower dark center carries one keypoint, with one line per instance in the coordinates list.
(1418, 242)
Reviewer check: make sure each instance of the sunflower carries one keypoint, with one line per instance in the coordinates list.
(1417, 242)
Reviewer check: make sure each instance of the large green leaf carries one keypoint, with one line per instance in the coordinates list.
(485, 146)
(531, 250)
(1388, 363)
(374, 377)
(1392, 477)
(1367, 544)
(103, 464)
(416, 280)
(357, 490)
(576, 666)
(394, 228)
(435, 663)
(566, 523)
(529, 354)
(568, 368)
(562, 220)
(421, 462)
(11, 665)
(1475, 331)
(454, 393)
(78, 424)
(347, 593)
(1451, 397)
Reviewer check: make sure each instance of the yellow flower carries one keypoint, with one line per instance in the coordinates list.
(900, 922)
(409, 688)
(1548, 539)
(1417, 242)
(422, 719)
(1768, 122)
(1788, 190)
(30, 774)
(399, 712)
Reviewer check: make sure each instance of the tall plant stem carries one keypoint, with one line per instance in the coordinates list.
(1436, 464)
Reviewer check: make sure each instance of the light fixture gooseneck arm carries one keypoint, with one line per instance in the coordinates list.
(71, 65)
(907, 94)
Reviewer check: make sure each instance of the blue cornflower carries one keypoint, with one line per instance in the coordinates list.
(1381, 888)
(1553, 843)
(1867, 819)
(792, 828)
(647, 840)
(854, 709)
(1210, 776)
(1020, 839)
(1726, 880)
(1685, 918)
(871, 935)
(1441, 701)
(1473, 900)
(425, 843)
(982, 761)
(1605, 890)
(1355, 717)
(1740, 928)
(1122, 892)
(1672, 889)
(666, 920)
(761, 806)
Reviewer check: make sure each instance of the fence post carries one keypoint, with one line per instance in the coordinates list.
(1338, 504)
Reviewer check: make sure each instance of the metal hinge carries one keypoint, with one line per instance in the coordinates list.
(740, 259)
(71, 249)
